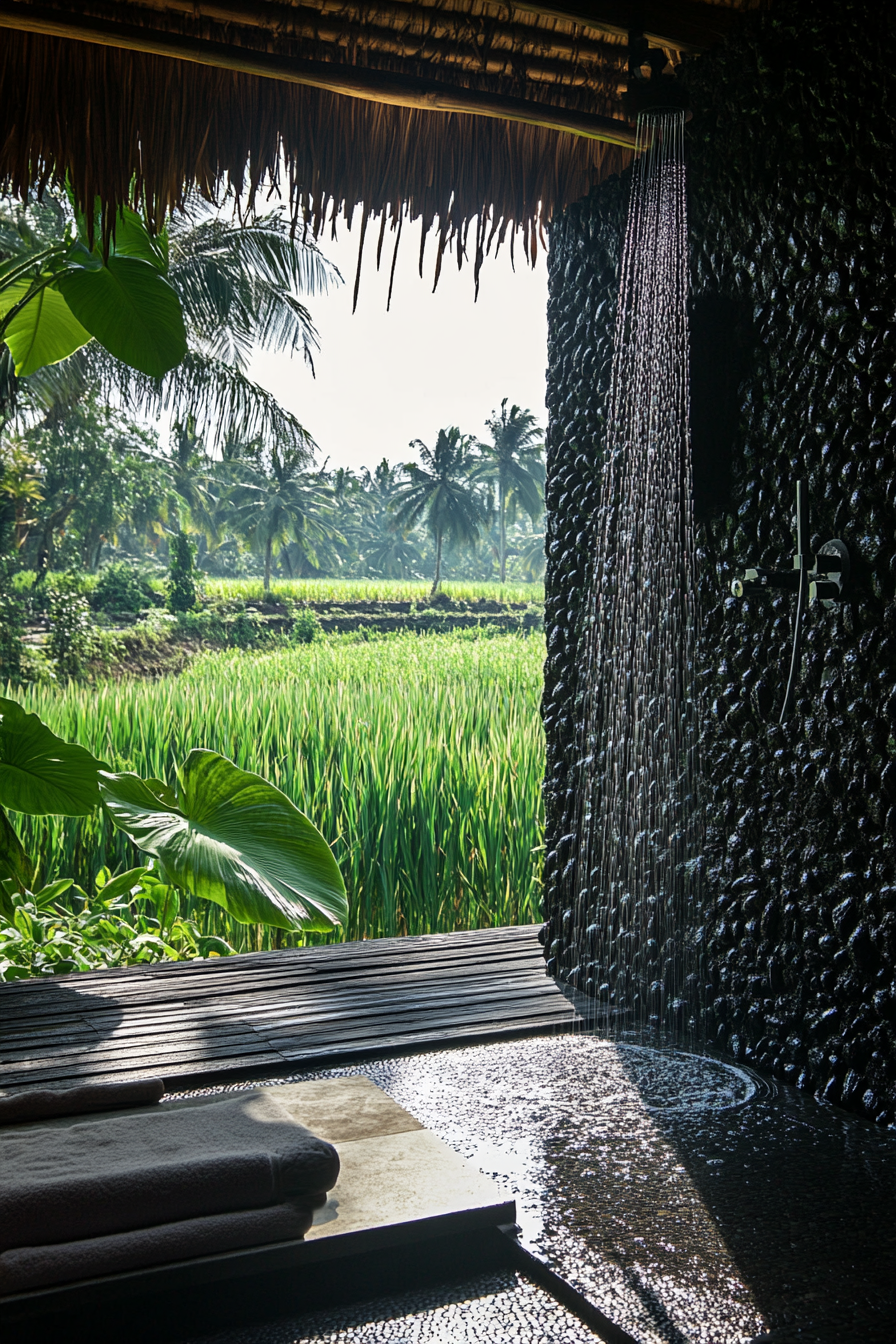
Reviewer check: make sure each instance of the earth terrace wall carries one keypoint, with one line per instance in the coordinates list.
(793, 254)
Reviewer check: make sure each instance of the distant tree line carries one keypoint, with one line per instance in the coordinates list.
(90, 486)
(84, 481)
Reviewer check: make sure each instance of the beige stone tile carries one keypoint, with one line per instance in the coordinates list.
(402, 1178)
(344, 1109)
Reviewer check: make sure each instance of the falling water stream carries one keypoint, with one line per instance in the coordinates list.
(637, 870)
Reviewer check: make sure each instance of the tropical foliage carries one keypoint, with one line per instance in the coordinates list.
(419, 756)
(439, 493)
(60, 289)
(237, 286)
(62, 928)
(219, 832)
(275, 501)
(90, 485)
(513, 463)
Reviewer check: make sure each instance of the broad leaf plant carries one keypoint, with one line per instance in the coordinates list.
(220, 832)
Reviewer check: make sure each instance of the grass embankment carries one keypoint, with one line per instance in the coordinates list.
(419, 756)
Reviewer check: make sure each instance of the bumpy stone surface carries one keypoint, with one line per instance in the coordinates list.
(493, 1309)
(686, 1198)
(793, 252)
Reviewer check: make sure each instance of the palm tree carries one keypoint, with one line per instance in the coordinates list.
(275, 501)
(188, 475)
(239, 283)
(514, 462)
(440, 490)
(383, 551)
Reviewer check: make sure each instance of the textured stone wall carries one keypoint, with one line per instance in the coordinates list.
(793, 250)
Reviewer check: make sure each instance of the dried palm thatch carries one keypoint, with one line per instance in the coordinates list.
(466, 115)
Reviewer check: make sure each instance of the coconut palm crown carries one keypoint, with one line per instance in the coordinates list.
(514, 462)
(438, 490)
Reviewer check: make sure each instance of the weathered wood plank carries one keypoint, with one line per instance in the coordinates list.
(272, 1011)
(203, 977)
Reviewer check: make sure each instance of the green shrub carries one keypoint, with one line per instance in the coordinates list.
(12, 628)
(182, 592)
(121, 587)
(72, 636)
(306, 627)
(39, 935)
(242, 631)
(205, 625)
(37, 668)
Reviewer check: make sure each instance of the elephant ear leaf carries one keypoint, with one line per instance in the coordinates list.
(39, 772)
(16, 869)
(44, 332)
(233, 838)
(131, 309)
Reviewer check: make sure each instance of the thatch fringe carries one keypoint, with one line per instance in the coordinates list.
(131, 126)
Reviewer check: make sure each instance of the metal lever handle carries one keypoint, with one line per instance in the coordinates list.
(761, 580)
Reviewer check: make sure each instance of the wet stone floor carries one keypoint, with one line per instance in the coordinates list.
(690, 1201)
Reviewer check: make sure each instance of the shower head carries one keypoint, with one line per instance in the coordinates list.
(651, 91)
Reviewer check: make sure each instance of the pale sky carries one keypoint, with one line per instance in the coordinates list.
(432, 361)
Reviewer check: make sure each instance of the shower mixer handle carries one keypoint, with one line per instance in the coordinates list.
(824, 574)
(759, 580)
(823, 581)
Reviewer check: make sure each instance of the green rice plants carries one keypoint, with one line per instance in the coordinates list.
(420, 756)
(364, 590)
(222, 833)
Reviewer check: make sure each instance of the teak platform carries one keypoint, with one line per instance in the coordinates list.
(204, 1022)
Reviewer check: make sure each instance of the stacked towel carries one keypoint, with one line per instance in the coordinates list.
(29, 1267)
(95, 1196)
(45, 1103)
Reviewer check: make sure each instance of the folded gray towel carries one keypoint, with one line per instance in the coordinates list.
(95, 1177)
(34, 1213)
(29, 1267)
(17, 1107)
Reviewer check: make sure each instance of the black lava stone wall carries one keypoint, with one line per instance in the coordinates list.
(792, 208)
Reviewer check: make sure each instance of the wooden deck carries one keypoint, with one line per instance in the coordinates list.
(195, 1023)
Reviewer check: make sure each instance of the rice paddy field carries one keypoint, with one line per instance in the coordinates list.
(420, 757)
(368, 590)
(339, 590)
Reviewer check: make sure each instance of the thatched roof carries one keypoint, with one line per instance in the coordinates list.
(483, 116)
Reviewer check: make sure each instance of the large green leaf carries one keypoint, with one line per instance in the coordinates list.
(131, 310)
(231, 837)
(133, 239)
(44, 332)
(16, 867)
(39, 773)
(130, 237)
